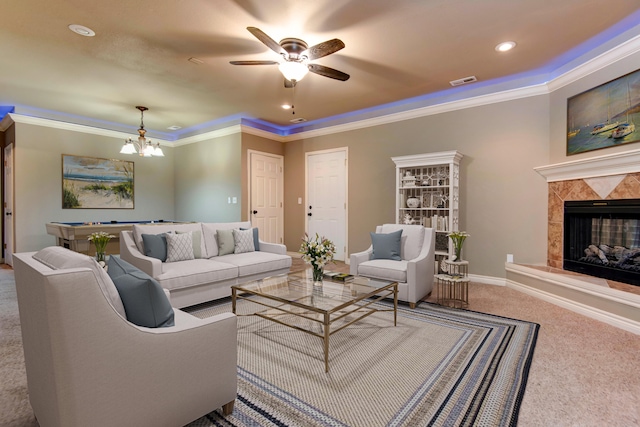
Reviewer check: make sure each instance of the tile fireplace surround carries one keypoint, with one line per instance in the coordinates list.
(611, 176)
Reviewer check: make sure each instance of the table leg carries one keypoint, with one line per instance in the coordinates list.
(326, 342)
(233, 300)
(395, 305)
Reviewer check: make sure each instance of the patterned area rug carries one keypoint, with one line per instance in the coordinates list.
(438, 367)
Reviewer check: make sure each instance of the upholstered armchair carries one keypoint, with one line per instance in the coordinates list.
(412, 266)
(88, 366)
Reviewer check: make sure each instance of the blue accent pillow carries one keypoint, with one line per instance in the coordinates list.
(145, 303)
(155, 246)
(386, 245)
(256, 239)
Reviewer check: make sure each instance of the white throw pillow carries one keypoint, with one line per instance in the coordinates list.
(243, 241)
(179, 247)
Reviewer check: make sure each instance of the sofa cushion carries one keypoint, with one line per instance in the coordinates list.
(196, 237)
(412, 238)
(386, 245)
(59, 258)
(155, 246)
(165, 227)
(195, 272)
(384, 269)
(179, 247)
(243, 241)
(251, 263)
(210, 238)
(226, 243)
(145, 302)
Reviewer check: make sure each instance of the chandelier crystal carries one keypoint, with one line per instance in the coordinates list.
(142, 146)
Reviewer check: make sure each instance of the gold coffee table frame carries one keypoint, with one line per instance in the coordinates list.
(295, 294)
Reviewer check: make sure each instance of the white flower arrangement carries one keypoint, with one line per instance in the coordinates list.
(317, 251)
(100, 239)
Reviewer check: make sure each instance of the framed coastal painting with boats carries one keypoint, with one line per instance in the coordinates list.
(605, 116)
(94, 183)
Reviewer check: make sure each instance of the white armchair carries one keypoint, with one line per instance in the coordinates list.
(88, 366)
(414, 272)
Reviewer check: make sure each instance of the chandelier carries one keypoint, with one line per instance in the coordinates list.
(144, 147)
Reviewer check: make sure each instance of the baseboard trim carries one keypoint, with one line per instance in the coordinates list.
(487, 280)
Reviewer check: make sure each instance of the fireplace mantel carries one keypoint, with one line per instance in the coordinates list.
(610, 164)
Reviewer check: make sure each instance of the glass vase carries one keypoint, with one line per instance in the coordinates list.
(458, 252)
(101, 256)
(317, 275)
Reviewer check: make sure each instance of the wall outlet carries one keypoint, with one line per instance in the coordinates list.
(299, 200)
(510, 258)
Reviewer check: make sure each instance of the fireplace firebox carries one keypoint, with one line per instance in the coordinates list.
(602, 239)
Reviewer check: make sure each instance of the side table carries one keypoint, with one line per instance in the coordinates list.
(452, 287)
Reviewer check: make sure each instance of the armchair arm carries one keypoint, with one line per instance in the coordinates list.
(420, 270)
(130, 253)
(357, 258)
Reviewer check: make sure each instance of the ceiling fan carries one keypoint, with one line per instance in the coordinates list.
(297, 54)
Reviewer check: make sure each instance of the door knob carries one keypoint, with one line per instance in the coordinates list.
(309, 214)
(255, 212)
(8, 213)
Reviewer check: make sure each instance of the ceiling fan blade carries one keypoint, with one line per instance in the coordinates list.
(268, 41)
(323, 49)
(328, 72)
(253, 62)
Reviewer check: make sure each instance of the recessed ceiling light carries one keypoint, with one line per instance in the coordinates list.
(82, 30)
(286, 106)
(174, 127)
(503, 47)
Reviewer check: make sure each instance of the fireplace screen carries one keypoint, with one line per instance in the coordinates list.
(602, 238)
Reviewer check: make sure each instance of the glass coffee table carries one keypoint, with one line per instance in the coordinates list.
(295, 301)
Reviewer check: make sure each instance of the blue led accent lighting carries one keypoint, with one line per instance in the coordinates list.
(6, 109)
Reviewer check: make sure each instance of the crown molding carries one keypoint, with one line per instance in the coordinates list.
(592, 167)
(601, 61)
(55, 124)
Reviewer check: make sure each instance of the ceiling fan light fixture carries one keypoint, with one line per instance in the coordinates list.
(293, 71)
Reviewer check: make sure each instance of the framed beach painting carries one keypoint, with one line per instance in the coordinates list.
(93, 183)
(605, 116)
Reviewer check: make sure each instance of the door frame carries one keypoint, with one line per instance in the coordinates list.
(7, 257)
(346, 192)
(280, 188)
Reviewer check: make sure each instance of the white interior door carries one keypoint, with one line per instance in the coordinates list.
(8, 204)
(266, 195)
(327, 197)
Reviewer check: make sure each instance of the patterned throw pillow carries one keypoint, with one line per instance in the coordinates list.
(243, 241)
(179, 247)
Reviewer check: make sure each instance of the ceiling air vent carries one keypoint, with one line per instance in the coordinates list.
(463, 81)
(298, 120)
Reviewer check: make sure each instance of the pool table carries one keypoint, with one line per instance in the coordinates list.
(73, 235)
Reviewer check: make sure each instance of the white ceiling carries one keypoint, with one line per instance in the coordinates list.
(395, 51)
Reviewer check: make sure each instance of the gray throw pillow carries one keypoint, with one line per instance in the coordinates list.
(243, 241)
(256, 237)
(196, 236)
(386, 245)
(226, 244)
(179, 247)
(145, 303)
(155, 246)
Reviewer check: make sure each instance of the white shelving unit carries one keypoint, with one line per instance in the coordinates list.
(428, 193)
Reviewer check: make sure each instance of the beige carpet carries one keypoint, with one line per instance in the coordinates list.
(584, 372)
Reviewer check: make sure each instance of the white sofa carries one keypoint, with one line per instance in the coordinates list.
(414, 272)
(88, 366)
(210, 277)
